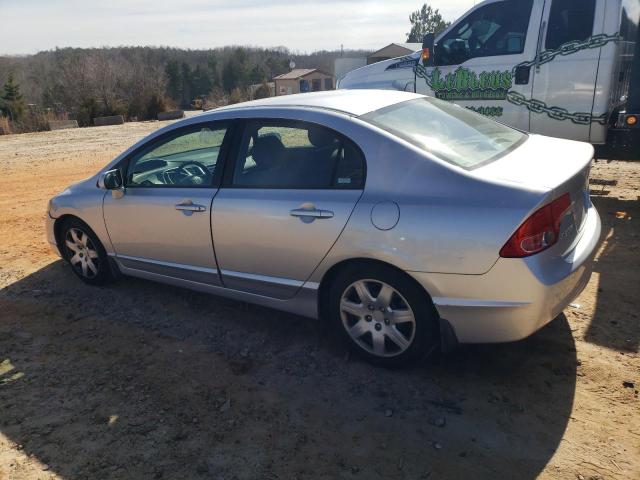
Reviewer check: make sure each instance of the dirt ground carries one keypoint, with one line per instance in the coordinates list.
(140, 380)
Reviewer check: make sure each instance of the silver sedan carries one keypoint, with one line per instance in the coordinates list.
(410, 223)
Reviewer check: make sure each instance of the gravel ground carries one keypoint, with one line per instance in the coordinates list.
(140, 380)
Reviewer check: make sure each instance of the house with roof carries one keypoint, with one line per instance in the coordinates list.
(393, 50)
(302, 80)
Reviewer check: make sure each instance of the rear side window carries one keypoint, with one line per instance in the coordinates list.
(570, 20)
(296, 155)
(449, 132)
(498, 28)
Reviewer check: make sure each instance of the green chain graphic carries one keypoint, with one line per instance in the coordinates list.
(556, 113)
(570, 48)
(421, 72)
(535, 106)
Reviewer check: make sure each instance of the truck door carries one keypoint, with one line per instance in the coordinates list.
(566, 70)
(484, 61)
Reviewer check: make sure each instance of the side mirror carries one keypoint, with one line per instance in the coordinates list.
(428, 49)
(111, 180)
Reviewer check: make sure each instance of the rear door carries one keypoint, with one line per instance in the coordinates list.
(283, 204)
(483, 62)
(567, 69)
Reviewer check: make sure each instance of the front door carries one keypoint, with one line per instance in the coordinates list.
(566, 72)
(160, 223)
(484, 61)
(283, 205)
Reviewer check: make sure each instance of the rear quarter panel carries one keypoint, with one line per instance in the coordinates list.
(450, 221)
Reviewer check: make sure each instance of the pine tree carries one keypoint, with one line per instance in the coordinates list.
(12, 100)
(174, 87)
(423, 21)
(212, 65)
(186, 84)
(276, 66)
(235, 71)
(201, 82)
(257, 74)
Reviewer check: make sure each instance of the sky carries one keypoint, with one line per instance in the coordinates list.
(29, 26)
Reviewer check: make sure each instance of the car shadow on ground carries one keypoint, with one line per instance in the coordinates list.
(140, 380)
(615, 323)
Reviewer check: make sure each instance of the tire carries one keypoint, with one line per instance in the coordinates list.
(84, 252)
(383, 315)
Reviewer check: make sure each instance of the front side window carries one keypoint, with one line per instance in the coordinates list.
(498, 28)
(296, 155)
(570, 21)
(185, 159)
(449, 132)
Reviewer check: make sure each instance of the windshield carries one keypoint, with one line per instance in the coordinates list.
(451, 133)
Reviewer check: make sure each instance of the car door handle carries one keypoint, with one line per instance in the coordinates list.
(311, 213)
(191, 207)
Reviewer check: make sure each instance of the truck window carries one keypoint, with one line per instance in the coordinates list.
(569, 21)
(630, 20)
(499, 28)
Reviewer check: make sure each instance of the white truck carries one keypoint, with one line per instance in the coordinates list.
(564, 68)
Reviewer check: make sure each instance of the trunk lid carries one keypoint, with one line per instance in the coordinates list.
(553, 167)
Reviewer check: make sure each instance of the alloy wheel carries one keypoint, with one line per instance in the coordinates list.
(81, 253)
(377, 318)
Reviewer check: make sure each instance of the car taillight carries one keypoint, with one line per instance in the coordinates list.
(539, 232)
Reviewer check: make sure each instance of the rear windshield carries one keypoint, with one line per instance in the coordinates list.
(451, 133)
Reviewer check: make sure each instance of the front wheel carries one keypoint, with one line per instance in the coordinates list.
(383, 315)
(84, 252)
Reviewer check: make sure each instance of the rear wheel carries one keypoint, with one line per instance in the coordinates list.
(384, 316)
(84, 252)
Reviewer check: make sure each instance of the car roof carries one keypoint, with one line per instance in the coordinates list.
(351, 102)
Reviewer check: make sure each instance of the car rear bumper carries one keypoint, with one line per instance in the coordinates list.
(516, 297)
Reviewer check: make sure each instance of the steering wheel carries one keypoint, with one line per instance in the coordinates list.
(192, 178)
(204, 171)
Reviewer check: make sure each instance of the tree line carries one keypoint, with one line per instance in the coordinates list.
(138, 82)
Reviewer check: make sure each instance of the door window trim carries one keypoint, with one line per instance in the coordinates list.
(233, 156)
(216, 179)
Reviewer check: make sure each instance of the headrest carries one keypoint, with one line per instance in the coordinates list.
(266, 147)
(320, 137)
